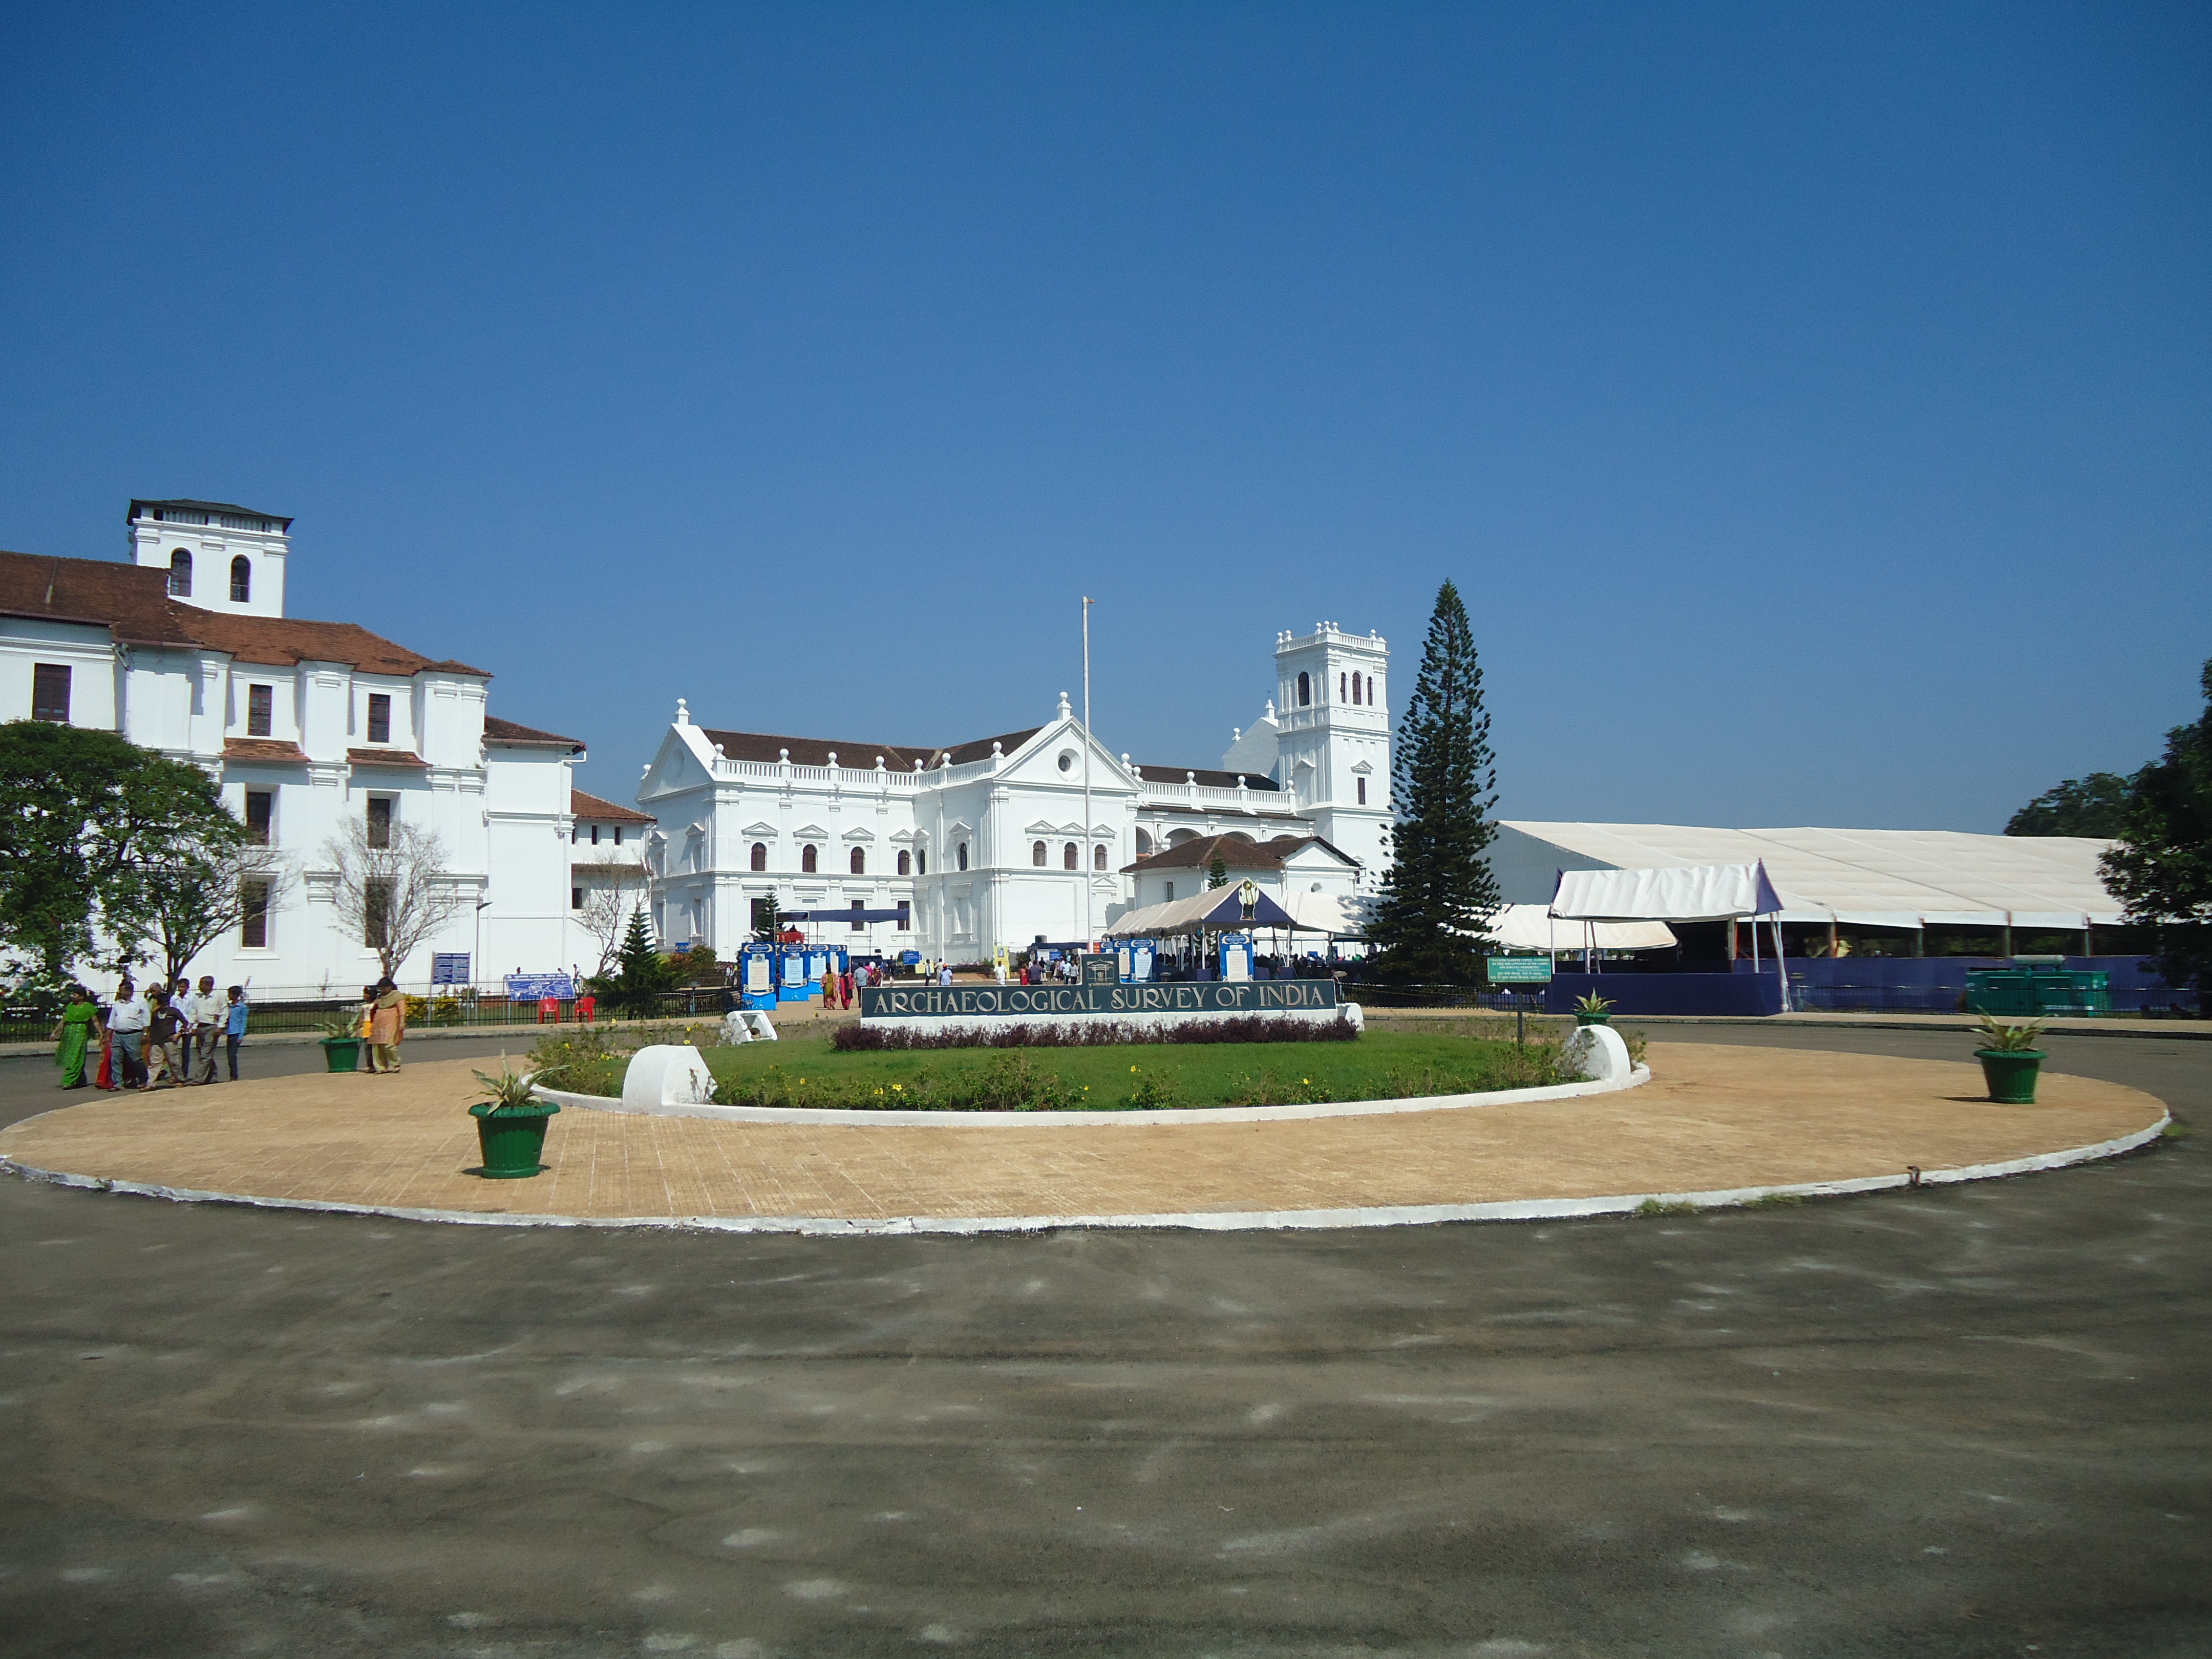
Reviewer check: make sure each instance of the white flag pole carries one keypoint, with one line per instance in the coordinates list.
(1090, 926)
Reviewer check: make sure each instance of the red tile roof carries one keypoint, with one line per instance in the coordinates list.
(816, 751)
(398, 757)
(132, 603)
(514, 732)
(593, 810)
(262, 748)
(1212, 778)
(1236, 852)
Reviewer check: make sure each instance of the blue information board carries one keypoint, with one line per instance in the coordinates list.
(1519, 970)
(449, 968)
(536, 988)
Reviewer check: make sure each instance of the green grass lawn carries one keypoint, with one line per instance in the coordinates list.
(1379, 1065)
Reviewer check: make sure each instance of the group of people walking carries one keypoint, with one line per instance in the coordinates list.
(170, 1036)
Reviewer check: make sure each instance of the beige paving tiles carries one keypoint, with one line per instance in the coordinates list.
(1715, 1117)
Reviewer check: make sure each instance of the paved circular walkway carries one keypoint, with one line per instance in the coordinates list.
(1715, 1120)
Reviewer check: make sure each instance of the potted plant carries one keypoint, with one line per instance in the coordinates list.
(2010, 1059)
(341, 1044)
(511, 1125)
(1592, 1010)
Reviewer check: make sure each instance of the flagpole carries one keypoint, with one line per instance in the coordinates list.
(1090, 926)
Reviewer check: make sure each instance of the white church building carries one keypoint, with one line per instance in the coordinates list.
(186, 649)
(985, 844)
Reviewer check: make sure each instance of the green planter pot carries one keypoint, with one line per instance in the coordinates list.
(342, 1053)
(510, 1140)
(2010, 1073)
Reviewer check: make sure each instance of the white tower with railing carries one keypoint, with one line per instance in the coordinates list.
(1333, 747)
(219, 556)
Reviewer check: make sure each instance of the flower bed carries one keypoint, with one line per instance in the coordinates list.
(1157, 1073)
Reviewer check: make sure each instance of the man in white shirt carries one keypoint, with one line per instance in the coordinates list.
(207, 1011)
(126, 1019)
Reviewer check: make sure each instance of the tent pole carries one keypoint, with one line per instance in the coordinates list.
(1781, 962)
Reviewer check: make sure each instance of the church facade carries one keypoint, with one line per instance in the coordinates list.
(186, 649)
(985, 844)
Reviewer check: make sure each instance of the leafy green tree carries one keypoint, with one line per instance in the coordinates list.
(642, 974)
(1440, 894)
(1217, 870)
(87, 819)
(2162, 869)
(2095, 806)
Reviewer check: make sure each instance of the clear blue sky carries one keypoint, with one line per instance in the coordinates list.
(1812, 403)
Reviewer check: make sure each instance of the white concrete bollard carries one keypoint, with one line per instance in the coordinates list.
(667, 1074)
(1598, 1054)
(747, 1025)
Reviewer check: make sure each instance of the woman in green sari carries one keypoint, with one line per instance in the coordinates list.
(78, 1026)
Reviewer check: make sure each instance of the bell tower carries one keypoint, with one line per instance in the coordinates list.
(219, 557)
(1332, 703)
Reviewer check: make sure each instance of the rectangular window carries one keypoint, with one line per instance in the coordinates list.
(380, 820)
(253, 925)
(595, 834)
(858, 925)
(905, 912)
(1363, 792)
(379, 717)
(576, 898)
(50, 692)
(618, 835)
(375, 907)
(1170, 889)
(260, 807)
(763, 914)
(260, 710)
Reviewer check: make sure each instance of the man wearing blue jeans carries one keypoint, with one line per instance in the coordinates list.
(233, 1027)
(126, 1019)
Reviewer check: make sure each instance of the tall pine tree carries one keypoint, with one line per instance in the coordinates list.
(641, 972)
(2160, 868)
(1440, 894)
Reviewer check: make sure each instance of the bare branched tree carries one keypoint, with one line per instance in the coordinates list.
(397, 896)
(186, 899)
(606, 910)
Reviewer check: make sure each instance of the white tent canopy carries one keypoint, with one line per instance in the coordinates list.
(1532, 927)
(1695, 892)
(1874, 878)
(1304, 912)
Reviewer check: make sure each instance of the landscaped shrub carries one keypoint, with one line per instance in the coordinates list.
(1234, 1028)
(1007, 1083)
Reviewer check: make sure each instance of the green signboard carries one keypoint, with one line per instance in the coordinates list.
(1520, 970)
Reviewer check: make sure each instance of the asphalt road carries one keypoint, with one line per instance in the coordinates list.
(1960, 1422)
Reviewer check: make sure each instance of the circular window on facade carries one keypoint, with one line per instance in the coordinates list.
(1068, 760)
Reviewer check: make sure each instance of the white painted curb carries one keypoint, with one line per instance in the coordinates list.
(860, 1118)
(1406, 1215)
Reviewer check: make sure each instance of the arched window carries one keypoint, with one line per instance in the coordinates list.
(1340, 688)
(1305, 691)
(1355, 687)
(922, 861)
(809, 859)
(1068, 856)
(1036, 854)
(241, 580)
(760, 855)
(1098, 856)
(906, 864)
(180, 574)
(1144, 844)
(859, 860)
(964, 855)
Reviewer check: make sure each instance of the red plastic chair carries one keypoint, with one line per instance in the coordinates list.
(549, 1011)
(586, 1007)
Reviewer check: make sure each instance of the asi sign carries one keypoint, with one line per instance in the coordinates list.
(1520, 970)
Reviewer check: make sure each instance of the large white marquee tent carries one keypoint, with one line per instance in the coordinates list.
(1871, 877)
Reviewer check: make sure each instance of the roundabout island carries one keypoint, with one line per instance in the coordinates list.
(1707, 1125)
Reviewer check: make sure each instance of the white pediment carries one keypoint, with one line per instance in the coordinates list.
(904, 837)
(1363, 766)
(760, 831)
(857, 833)
(1041, 828)
(811, 832)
